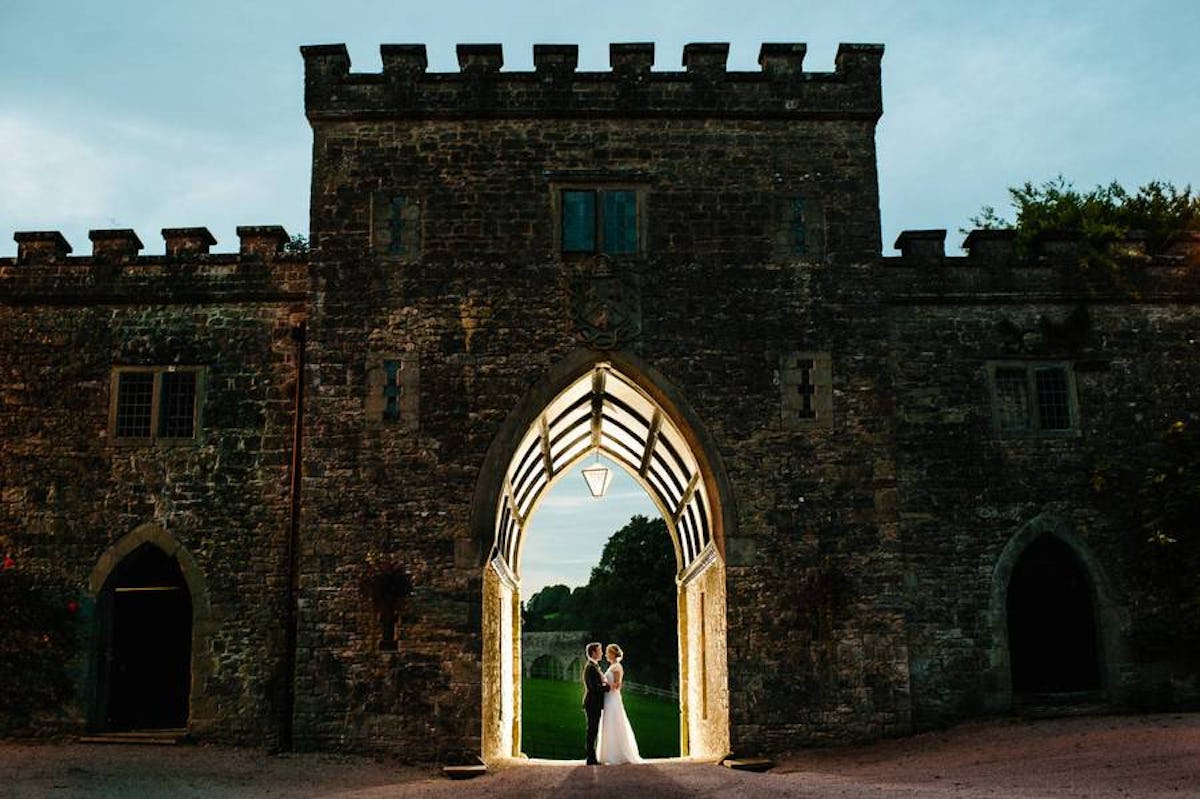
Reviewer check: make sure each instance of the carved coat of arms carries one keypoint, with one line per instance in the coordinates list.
(606, 302)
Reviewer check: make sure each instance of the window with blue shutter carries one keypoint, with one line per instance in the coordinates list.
(620, 222)
(579, 221)
(596, 220)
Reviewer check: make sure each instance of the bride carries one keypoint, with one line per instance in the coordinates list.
(615, 743)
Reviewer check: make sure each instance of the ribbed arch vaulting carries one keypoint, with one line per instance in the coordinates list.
(605, 411)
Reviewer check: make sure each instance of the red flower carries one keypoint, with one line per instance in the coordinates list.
(8, 563)
(72, 606)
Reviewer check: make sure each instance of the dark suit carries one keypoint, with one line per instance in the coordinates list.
(593, 705)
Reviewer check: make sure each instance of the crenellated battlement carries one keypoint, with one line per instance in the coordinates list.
(780, 89)
(116, 271)
(993, 269)
(41, 246)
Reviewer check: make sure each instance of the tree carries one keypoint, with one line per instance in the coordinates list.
(549, 609)
(1106, 214)
(631, 599)
(297, 244)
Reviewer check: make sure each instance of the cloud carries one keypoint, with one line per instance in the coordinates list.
(558, 501)
(104, 173)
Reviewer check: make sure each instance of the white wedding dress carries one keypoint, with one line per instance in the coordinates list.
(616, 743)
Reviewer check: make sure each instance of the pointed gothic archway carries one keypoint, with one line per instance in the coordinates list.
(613, 406)
(1048, 587)
(152, 616)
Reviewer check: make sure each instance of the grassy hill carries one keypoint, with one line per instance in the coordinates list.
(553, 724)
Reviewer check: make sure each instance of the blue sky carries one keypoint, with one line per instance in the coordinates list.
(569, 529)
(159, 114)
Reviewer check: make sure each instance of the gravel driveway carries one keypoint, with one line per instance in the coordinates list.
(1101, 756)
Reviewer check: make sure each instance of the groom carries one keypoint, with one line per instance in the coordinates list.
(593, 699)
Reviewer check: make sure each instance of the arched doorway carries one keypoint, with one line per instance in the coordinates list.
(144, 611)
(1051, 622)
(1054, 549)
(601, 406)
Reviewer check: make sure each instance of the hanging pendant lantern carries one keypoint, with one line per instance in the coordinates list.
(597, 478)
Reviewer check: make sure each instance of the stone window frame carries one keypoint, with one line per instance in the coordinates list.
(599, 185)
(818, 376)
(156, 402)
(385, 223)
(810, 244)
(1034, 411)
(407, 405)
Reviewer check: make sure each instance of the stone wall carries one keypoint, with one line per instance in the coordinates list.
(967, 491)
(71, 493)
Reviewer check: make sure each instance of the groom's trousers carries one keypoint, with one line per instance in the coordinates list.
(593, 729)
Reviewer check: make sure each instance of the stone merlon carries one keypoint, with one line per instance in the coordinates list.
(481, 88)
(187, 240)
(116, 243)
(927, 245)
(49, 246)
(40, 245)
(261, 240)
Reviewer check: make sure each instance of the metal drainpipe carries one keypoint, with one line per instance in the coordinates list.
(292, 611)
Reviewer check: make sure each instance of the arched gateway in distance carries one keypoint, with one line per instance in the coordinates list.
(857, 455)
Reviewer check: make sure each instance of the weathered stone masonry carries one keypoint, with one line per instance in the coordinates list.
(870, 511)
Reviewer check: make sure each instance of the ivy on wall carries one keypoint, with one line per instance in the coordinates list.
(1159, 493)
(36, 645)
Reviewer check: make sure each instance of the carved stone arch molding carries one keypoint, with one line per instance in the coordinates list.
(474, 551)
(201, 712)
(1110, 617)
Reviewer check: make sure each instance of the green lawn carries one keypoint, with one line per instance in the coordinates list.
(553, 724)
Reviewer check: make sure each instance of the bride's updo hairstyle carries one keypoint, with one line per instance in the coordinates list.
(614, 652)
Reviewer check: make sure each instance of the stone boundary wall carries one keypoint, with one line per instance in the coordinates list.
(565, 646)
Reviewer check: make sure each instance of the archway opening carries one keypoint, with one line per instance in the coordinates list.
(599, 570)
(633, 425)
(1051, 622)
(546, 667)
(145, 614)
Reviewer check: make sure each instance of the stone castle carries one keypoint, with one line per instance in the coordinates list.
(289, 489)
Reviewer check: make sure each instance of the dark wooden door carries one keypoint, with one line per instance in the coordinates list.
(149, 643)
(1051, 622)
